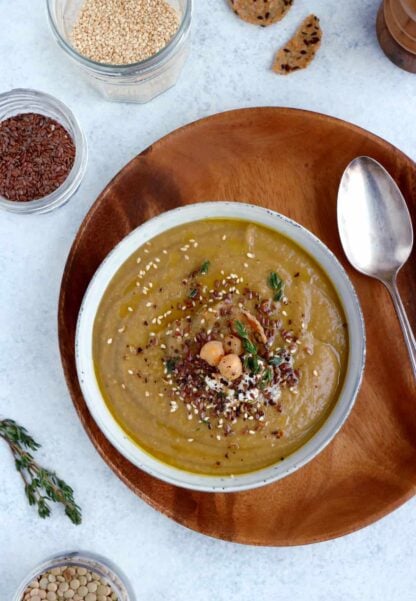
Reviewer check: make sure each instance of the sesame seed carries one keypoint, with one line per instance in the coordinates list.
(109, 341)
(251, 255)
(284, 313)
(130, 309)
(147, 394)
(138, 260)
(245, 264)
(315, 373)
(149, 304)
(130, 371)
(164, 251)
(224, 237)
(190, 440)
(186, 257)
(122, 329)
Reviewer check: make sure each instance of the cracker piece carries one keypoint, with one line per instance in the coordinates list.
(300, 51)
(261, 12)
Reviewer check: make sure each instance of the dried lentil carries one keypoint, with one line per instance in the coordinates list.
(71, 586)
(122, 32)
(36, 156)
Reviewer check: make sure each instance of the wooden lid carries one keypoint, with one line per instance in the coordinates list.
(400, 16)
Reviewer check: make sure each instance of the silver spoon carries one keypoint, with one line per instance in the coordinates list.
(376, 231)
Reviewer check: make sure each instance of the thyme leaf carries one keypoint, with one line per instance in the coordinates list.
(266, 377)
(203, 270)
(171, 364)
(252, 364)
(277, 284)
(241, 330)
(276, 360)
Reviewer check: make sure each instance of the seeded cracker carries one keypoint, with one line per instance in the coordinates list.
(301, 49)
(261, 12)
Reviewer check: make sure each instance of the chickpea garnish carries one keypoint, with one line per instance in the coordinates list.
(230, 367)
(212, 352)
(232, 344)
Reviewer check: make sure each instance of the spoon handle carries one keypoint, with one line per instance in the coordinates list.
(408, 334)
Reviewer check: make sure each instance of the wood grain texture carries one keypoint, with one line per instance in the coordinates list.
(290, 161)
(396, 32)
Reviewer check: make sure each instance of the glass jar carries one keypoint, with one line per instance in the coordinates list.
(137, 82)
(20, 101)
(105, 569)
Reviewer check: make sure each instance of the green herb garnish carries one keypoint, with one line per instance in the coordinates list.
(276, 360)
(266, 378)
(252, 364)
(241, 330)
(171, 364)
(277, 284)
(204, 267)
(41, 485)
(193, 293)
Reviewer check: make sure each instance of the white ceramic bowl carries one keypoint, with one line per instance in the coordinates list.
(127, 247)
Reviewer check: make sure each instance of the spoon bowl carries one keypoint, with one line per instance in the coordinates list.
(376, 230)
(373, 219)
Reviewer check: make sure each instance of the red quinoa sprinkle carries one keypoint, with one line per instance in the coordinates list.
(36, 156)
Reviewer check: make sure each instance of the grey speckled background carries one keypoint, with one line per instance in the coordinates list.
(228, 68)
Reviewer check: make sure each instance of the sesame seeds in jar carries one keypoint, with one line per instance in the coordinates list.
(122, 32)
(154, 35)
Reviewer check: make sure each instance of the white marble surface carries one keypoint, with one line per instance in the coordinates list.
(228, 68)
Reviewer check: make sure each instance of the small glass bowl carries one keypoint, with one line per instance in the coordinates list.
(20, 101)
(137, 82)
(82, 559)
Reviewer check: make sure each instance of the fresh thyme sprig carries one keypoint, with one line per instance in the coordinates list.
(241, 330)
(41, 485)
(277, 284)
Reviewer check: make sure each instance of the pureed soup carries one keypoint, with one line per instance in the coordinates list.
(220, 347)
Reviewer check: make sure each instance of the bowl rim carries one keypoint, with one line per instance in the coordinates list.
(16, 100)
(163, 222)
(145, 65)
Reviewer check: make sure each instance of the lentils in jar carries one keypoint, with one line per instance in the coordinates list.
(68, 583)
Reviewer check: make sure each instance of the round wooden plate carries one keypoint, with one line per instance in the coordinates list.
(290, 161)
